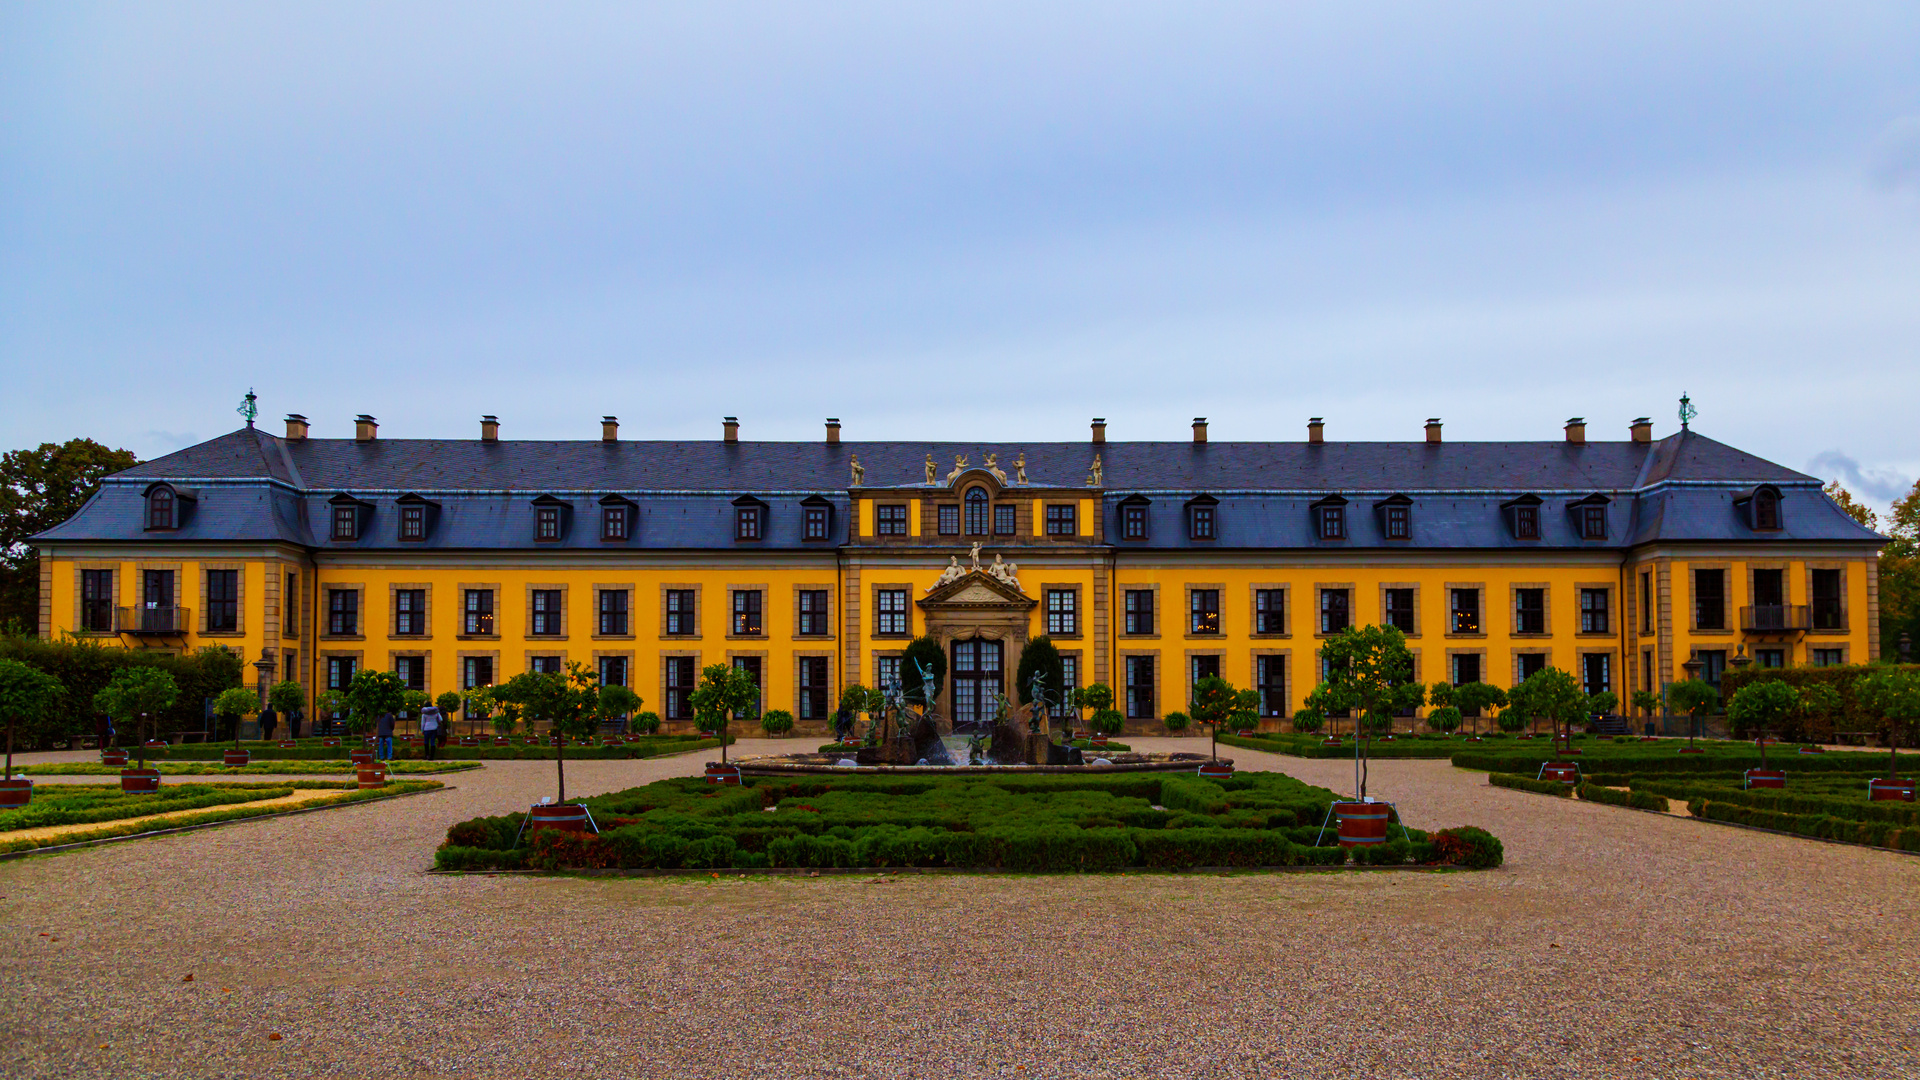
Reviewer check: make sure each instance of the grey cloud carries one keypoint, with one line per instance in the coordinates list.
(1880, 485)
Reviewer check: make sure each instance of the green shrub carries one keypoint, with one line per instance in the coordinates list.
(1591, 792)
(1177, 721)
(1309, 721)
(646, 723)
(1528, 783)
(1465, 845)
(776, 721)
(1107, 721)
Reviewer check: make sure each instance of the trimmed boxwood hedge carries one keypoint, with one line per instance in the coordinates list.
(1313, 746)
(1639, 800)
(1826, 826)
(1046, 823)
(1528, 783)
(312, 750)
(1663, 758)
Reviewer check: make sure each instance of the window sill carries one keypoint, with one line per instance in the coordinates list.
(1203, 637)
(809, 637)
(476, 637)
(668, 637)
(748, 637)
(600, 637)
(223, 633)
(343, 637)
(1531, 635)
(1477, 635)
(1277, 637)
(1139, 637)
(1831, 631)
(1591, 634)
(409, 637)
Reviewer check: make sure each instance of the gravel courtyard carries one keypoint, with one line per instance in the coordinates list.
(1612, 943)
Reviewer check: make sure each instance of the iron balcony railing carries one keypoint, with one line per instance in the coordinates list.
(1775, 618)
(154, 620)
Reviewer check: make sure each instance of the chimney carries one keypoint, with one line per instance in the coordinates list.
(1316, 430)
(609, 429)
(365, 428)
(833, 431)
(729, 429)
(1433, 429)
(1099, 429)
(489, 428)
(1199, 430)
(296, 427)
(1642, 430)
(1577, 431)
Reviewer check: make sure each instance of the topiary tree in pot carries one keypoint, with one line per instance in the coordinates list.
(1553, 694)
(26, 694)
(287, 698)
(1602, 703)
(1646, 701)
(1894, 693)
(776, 722)
(370, 693)
(1214, 702)
(646, 723)
(1759, 707)
(1695, 697)
(138, 693)
(1441, 695)
(724, 693)
(617, 701)
(570, 702)
(1370, 673)
(233, 704)
(1106, 719)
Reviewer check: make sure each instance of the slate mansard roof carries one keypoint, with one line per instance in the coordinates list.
(252, 486)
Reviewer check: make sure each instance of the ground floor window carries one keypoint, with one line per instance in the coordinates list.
(813, 688)
(1140, 697)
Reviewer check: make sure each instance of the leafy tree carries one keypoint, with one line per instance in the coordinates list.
(1214, 703)
(1370, 673)
(1477, 698)
(233, 704)
(1855, 509)
(1440, 694)
(26, 693)
(1099, 698)
(1646, 701)
(1602, 703)
(617, 701)
(646, 723)
(723, 694)
(571, 702)
(1554, 695)
(776, 721)
(286, 697)
(1695, 697)
(855, 699)
(1309, 720)
(370, 693)
(1819, 701)
(1510, 720)
(1900, 573)
(138, 693)
(448, 703)
(41, 488)
(1894, 693)
(1760, 706)
(921, 650)
(1041, 656)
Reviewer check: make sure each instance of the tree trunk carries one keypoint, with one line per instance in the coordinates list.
(9, 773)
(560, 761)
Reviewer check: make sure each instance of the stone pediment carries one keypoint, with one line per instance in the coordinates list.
(977, 589)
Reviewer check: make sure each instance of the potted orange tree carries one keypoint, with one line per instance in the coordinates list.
(724, 693)
(1756, 709)
(369, 694)
(1693, 697)
(142, 694)
(287, 697)
(26, 693)
(232, 704)
(1369, 673)
(1894, 693)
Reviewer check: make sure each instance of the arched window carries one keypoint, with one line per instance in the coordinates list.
(160, 508)
(1766, 509)
(976, 511)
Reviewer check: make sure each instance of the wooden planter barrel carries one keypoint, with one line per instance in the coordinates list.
(155, 744)
(372, 775)
(722, 774)
(113, 757)
(501, 740)
(1330, 741)
(329, 742)
(139, 781)
(236, 758)
(288, 744)
(360, 757)
(1361, 823)
(1894, 790)
(1566, 772)
(1766, 778)
(15, 792)
(1813, 749)
(566, 817)
(1216, 770)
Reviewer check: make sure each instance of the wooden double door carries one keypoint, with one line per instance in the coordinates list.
(976, 666)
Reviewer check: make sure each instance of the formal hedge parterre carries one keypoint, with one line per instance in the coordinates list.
(1314, 746)
(81, 804)
(1043, 824)
(1639, 800)
(212, 767)
(646, 746)
(1848, 829)
(1529, 783)
(1663, 757)
(178, 816)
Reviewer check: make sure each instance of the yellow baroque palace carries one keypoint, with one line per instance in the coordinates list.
(1150, 564)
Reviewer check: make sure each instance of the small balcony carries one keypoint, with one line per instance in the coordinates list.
(166, 621)
(1775, 618)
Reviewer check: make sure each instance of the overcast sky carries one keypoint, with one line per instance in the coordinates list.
(989, 221)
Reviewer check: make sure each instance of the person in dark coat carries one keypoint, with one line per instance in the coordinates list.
(268, 721)
(293, 724)
(383, 737)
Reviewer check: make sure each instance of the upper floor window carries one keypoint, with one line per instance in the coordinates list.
(1133, 521)
(613, 611)
(890, 614)
(1335, 611)
(343, 611)
(1063, 615)
(409, 612)
(1827, 609)
(1593, 611)
(1398, 522)
(1200, 522)
(1399, 609)
(890, 519)
(1060, 520)
(1466, 611)
(413, 522)
(815, 520)
(746, 612)
(813, 613)
(96, 600)
(615, 523)
(1005, 519)
(1203, 606)
(1139, 604)
(1526, 522)
(346, 523)
(1766, 509)
(161, 508)
(949, 519)
(747, 522)
(1593, 523)
(1710, 599)
(479, 611)
(1270, 611)
(680, 613)
(546, 523)
(1330, 521)
(223, 600)
(545, 616)
(1529, 611)
(976, 501)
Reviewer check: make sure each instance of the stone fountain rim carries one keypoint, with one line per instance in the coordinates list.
(1179, 762)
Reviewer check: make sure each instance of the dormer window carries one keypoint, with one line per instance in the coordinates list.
(1396, 517)
(1762, 508)
(1203, 518)
(546, 523)
(613, 523)
(1523, 517)
(816, 516)
(1133, 519)
(161, 508)
(1330, 518)
(749, 519)
(346, 523)
(413, 522)
(1589, 517)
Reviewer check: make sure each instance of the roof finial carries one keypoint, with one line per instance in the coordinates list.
(248, 407)
(1687, 411)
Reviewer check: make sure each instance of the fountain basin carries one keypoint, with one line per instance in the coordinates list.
(825, 764)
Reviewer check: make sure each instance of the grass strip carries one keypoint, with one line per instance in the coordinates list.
(214, 816)
(267, 768)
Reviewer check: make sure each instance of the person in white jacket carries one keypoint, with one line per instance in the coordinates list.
(432, 725)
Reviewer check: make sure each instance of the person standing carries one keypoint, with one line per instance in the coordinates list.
(268, 721)
(430, 724)
(293, 724)
(383, 737)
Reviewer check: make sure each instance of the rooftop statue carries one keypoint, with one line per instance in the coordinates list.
(1003, 571)
(959, 466)
(1095, 478)
(1020, 467)
(859, 473)
(974, 554)
(950, 575)
(933, 471)
(993, 466)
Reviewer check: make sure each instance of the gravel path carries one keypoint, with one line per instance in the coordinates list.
(1613, 943)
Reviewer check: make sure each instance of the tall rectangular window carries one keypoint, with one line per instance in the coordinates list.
(949, 519)
(1063, 615)
(1333, 522)
(1140, 697)
(613, 612)
(1530, 663)
(1466, 668)
(1335, 611)
(343, 611)
(815, 520)
(813, 613)
(412, 671)
(1201, 667)
(1466, 611)
(890, 519)
(1529, 611)
(476, 671)
(746, 612)
(1005, 519)
(680, 613)
(679, 687)
(1593, 523)
(96, 600)
(614, 524)
(1646, 603)
(1399, 609)
(223, 600)
(1060, 520)
(1270, 679)
(1710, 599)
(1139, 611)
(1203, 607)
(890, 613)
(340, 671)
(413, 522)
(1399, 524)
(750, 665)
(1269, 611)
(813, 688)
(1596, 671)
(479, 611)
(1069, 677)
(1594, 618)
(290, 606)
(544, 619)
(346, 523)
(409, 612)
(976, 503)
(1827, 612)
(613, 671)
(886, 672)
(1133, 522)
(1526, 523)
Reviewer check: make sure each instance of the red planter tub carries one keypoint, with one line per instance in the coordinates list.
(1244, 732)
(501, 740)
(722, 774)
(155, 744)
(113, 757)
(565, 816)
(288, 744)
(1813, 749)
(1766, 778)
(329, 742)
(139, 781)
(1566, 772)
(1099, 738)
(1330, 741)
(1216, 770)
(1895, 790)
(1361, 823)
(532, 740)
(360, 757)
(372, 776)
(15, 792)
(236, 758)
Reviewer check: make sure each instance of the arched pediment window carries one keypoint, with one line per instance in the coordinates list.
(161, 508)
(976, 511)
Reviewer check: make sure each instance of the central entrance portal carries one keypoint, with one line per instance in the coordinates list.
(976, 679)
